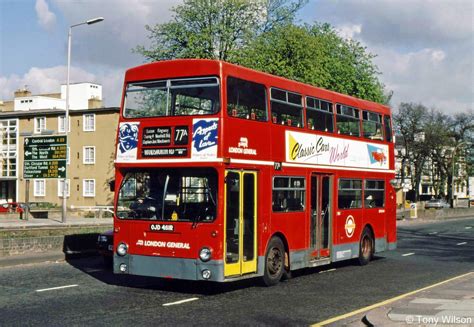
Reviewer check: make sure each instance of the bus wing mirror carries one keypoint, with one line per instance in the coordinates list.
(112, 185)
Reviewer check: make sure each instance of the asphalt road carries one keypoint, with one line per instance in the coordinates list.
(92, 295)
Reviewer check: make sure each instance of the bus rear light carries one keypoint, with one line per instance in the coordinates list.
(205, 254)
(122, 249)
(206, 274)
(117, 229)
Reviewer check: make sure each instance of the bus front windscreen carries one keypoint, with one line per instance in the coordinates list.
(170, 195)
(172, 97)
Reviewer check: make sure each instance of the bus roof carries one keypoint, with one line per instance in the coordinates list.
(203, 67)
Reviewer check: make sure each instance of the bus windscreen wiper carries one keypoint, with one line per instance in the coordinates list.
(165, 189)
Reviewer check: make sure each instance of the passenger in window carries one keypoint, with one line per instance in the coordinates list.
(370, 202)
(150, 206)
(281, 202)
(378, 134)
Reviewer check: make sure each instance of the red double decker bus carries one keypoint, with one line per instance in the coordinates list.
(224, 173)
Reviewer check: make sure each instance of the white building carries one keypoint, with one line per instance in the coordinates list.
(81, 95)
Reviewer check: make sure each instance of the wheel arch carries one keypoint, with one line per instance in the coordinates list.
(282, 237)
(369, 227)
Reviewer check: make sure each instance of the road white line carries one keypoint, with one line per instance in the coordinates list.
(180, 302)
(325, 271)
(462, 243)
(385, 303)
(407, 254)
(433, 233)
(468, 227)
(56, 288)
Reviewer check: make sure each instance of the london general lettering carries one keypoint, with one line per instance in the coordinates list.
(162, 244)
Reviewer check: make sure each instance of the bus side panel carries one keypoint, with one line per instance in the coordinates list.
(349, 225)
(391, 216)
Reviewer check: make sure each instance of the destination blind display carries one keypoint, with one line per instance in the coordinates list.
(164, 152)
(45, 157)
(156, 142)
(156, 136)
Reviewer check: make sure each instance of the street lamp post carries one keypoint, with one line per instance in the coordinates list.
(66, 118)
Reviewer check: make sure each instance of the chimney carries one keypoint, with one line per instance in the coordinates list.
(95, 103)
(24, 92)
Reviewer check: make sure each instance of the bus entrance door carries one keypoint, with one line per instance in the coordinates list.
(321, 215)
(240, 225)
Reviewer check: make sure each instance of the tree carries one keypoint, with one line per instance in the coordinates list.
(410, 120)
(317, 55)
(439, 143)
(261, 34)
(434, 143)
(462, 133)
(216, 29)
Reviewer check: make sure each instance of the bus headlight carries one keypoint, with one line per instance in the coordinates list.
(122, 249)
(205, 254)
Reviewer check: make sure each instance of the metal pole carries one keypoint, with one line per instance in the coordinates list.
(66, 118)
(27, 199)
(66, 125)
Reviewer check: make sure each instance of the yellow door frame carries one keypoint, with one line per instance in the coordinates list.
(241, 266)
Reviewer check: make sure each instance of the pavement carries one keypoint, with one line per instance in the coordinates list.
(8, 222)
(448, 303)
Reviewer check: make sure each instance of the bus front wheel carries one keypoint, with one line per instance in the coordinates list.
(274, 262)
(366, 247)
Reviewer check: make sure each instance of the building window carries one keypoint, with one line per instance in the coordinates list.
(246, 99)
(40, 124)
(88, 186)
(39, 187)
(61, 189)
(374, 194)
(88, 121)
(8, 148)
(350, 194)
(288, 194)
(89, 155)
(287, 108)
(61, 124)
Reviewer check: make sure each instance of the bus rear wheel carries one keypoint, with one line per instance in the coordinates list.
(274, 262)
(366, 247)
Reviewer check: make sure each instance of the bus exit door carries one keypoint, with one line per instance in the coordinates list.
(240, 225)
(321, 216)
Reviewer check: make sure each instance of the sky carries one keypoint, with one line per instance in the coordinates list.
(424, 48)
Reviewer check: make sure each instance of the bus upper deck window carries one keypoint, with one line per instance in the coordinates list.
(286, 107)
(172, 97)
(319, 115)
(347, 120)
(372, 125)
(388, 128)
(246, 99)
